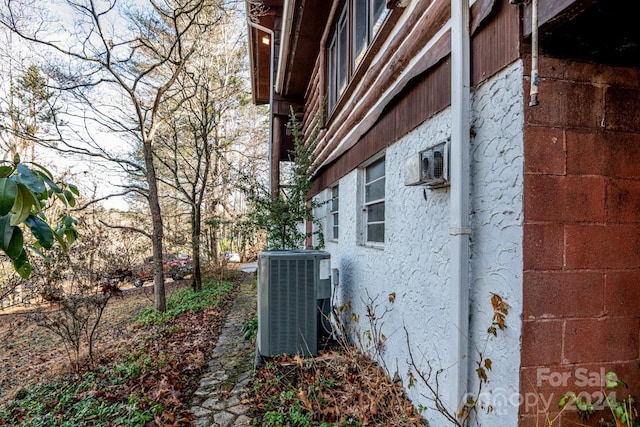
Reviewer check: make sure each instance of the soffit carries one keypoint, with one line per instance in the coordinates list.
(259, 51)
(307, 26)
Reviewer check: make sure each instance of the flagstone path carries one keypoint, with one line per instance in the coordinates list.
(218, 400)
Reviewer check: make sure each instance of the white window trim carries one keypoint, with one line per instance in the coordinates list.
(331, 212)
(362, 217)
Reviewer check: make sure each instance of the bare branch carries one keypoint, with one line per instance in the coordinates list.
(128, 228)
(107, 197)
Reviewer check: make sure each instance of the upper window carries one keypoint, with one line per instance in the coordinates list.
(374, 181)
(358, 23)
(333, 213)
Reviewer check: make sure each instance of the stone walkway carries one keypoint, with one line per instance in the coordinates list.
(218, 400)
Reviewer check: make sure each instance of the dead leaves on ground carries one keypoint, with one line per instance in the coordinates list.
(337, 387)
(180, 358)
(177, 354)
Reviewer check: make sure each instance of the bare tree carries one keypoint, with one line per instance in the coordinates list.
(198, 140)
(244, 168)
(120, 62)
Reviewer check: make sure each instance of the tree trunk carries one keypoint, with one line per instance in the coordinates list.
(195, 247)
(159, 297)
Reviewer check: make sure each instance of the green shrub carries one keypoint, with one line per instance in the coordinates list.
(71, 401)
(187, 300)
(250, 329)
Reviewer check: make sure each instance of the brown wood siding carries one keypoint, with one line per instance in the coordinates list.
(313, 110)
(497, 43)
(423, 98)
(316, 109)
(359, 108)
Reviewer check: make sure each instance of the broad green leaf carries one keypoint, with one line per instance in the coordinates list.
(22, 265)
(5, 171)
(30, 179)
(59, 236)
(69, 221)
(53, 187)
(71, 235)
(562, 402)
(42, 171)
(14, 245)
(8, 192)
(6, 231)
(611, 380)
(70, 199)
(22, 205)
(74, 189)
(41, 231)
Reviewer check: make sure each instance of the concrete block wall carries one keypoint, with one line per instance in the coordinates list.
(581, 312)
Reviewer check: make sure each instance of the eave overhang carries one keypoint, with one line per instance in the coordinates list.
(304, 22)
(261, 28)
(298, 26)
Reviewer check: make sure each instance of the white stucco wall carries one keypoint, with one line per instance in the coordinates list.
(414, 263)
(496, 241)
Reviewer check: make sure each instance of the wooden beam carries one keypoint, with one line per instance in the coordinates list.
(551, 12)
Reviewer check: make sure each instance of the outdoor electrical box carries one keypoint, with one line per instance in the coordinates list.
(429, 167)
(294, 291)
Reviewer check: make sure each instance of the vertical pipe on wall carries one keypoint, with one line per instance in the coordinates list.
(460, 194)
(533, 92)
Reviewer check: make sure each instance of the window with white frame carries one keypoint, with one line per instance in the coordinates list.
(333, 213)
(357, 25)
(373, 206)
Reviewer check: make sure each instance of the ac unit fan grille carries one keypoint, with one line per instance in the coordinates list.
(293, 311)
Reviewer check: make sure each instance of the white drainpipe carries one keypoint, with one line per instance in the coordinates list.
(272, 60)
(459, 196)
(534, 54)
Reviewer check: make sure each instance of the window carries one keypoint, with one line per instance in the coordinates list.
(374, 181)
(378, 13)
(342, 53)
(358, 23)
(360, 31)
(333, 213)
(332, 71)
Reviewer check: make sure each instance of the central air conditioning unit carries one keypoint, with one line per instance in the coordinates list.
(293, 288)
(430, 167)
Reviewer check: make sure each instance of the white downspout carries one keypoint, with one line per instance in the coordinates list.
(460, 194)
(272, 61)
